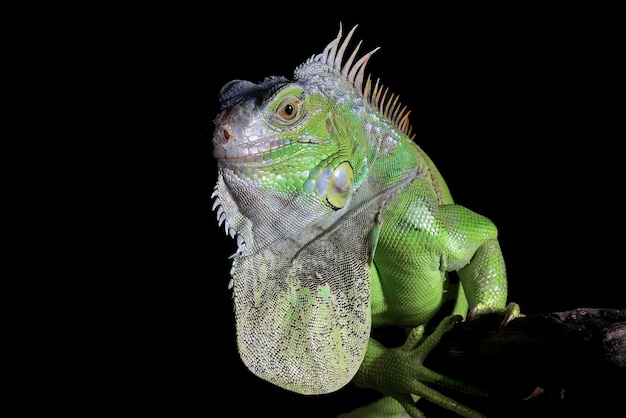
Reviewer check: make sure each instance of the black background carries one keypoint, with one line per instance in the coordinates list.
(515, 106)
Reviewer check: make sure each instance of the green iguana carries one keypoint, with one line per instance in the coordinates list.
(344, 224)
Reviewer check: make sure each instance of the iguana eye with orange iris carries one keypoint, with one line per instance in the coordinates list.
(289, 109)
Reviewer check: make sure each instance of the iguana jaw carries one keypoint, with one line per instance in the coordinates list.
(226, 149)
(229, 149)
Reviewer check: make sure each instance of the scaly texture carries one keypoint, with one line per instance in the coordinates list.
(343, 224)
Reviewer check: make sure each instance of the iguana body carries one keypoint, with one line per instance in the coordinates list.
(343, 224)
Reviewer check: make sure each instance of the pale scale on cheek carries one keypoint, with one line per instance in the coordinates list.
(340, 185)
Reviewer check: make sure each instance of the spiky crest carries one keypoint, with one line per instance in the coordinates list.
(379, 96)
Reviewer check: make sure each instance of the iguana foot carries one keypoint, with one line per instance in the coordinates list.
(399, 372)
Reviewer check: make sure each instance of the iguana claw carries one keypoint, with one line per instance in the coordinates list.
(510, 312)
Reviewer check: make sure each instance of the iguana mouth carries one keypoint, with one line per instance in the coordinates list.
(248, 153)
(238, 147)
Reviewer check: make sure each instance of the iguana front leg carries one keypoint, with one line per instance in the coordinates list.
(483, 286)
(426, 247)
(400, 374)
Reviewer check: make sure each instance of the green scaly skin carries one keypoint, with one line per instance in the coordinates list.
(344, 224)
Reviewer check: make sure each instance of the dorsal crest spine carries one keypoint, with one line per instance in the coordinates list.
(378, 95)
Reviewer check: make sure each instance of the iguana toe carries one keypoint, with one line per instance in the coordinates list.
(510, 312)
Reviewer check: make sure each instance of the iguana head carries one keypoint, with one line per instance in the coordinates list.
(304, 168)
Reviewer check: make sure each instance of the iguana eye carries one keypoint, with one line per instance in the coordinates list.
(289, 109)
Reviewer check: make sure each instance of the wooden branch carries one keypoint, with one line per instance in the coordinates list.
(571, 362)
